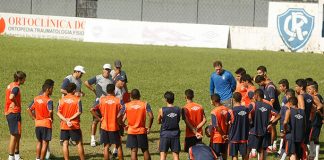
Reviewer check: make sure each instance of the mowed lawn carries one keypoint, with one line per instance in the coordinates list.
(151, 69)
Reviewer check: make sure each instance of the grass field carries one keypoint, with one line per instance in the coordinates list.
(151, 69)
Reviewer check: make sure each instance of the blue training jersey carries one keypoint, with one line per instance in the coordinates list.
(262, 115)
(170, 122)
(239, 130)
(296, 125)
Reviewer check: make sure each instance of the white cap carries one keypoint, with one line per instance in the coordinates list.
(106, 66)
(79, 68)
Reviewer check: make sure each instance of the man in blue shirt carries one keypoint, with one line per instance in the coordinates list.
(223, 83)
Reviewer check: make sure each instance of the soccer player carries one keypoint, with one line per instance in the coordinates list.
(239, 86)
(12, 111)
(194, 117)
(223, 83)
(101, 81)
(305, 101)
(239, 130)
(288, 93)
(262, 71)
(259, 137)
(109, 107)
(41, 110)
(283, 88)
(270, 94)
(316, 120)
(246, 81)
(118, 71)
(169, 118)
(294, 129)
(69, 111)
(75, 78)
(220, 127)
(136, 112)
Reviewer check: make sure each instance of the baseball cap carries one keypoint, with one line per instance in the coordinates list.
(118, 63)
(106, 66)
(79, 68)
(120, 78)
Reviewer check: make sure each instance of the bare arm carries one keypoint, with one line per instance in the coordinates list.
(160, 116)
(93, 112)
(31, 114)
(86, 83)
(202, 123)
(301, 102)
(75, 115)
(188, 124)
(285, 123)
(151, 117)
(61, 117)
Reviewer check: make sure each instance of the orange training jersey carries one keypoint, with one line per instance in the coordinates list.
(194, 113)
(69, 105)
(136, 116)
(42, 105)
(16, 108)
(109, 107)
(220, 117)
(240, 88)
(245, 97)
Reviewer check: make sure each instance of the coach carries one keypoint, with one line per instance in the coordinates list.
(223, 83)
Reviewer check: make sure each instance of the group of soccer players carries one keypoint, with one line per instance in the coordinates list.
(245, 126)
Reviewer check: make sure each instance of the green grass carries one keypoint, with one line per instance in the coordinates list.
(151, 69)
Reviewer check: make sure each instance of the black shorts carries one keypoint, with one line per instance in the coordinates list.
(137, 141)
(43, 133)
(172, 143)
(14, 123)
(314, 134)
(234, 148)
(74, 135)
(259, 142)
(190, 141)
(297, 148)
(220, 148)
(110, 137)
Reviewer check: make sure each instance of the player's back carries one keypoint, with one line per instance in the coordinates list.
(194, 114)
(239, 130)
(261, 119)
(109, 107)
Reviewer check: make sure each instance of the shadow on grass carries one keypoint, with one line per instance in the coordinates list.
(87, 156)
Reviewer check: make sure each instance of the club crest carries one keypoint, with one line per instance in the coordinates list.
(295, 27)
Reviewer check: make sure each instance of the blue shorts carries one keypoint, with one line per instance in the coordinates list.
(234, 148)
(190, 141)
(14, 123)
(259, 142)
(220, 148)
(172, 143)
(137, 141)
(110, 137)
(74, 135)
(43, 133)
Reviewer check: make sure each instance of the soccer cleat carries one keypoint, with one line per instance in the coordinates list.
(252, 155)
(93, 143)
